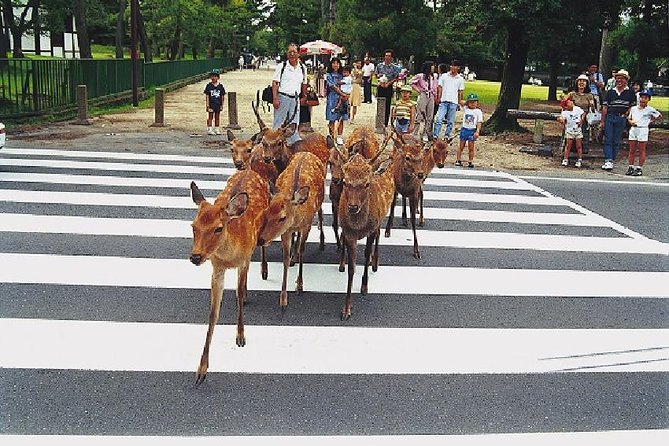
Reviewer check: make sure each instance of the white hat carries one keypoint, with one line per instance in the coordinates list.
(622, 73)
(582, 76)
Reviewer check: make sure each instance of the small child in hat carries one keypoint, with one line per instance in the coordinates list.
(214, 94)
(472, 120)
(572, 119)
(404, 112)
(639, 117)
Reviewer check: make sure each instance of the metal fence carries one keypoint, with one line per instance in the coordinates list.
(30, 86)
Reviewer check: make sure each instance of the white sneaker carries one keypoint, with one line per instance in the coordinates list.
(425, 139)
(578, 163)
(210, 131)
(608, 165)
(565, 162)
(340, 141)
(217, 131)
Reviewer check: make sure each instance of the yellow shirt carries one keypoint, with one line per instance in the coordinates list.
(403, 109)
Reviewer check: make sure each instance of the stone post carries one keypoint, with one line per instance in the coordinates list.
(380, 115)
(233, 120)
(538, 136)
(82, 105)
(159, 108)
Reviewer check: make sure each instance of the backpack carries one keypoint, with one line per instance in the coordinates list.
(267, 94)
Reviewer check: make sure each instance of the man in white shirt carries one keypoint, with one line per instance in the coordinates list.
(450, 93)
(289, 83)
(367, 72)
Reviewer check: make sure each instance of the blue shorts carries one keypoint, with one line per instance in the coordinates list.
(402, 125)
(467, 134)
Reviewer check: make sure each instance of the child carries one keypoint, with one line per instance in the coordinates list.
(640, 116)
(214, 95)
(572, 118)
(472, 120)
(404, 113)
(346, 86)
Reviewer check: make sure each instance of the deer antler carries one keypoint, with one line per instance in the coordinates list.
(254, 106)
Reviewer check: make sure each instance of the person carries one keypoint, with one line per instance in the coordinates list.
(615, 107)
(425, 84)
(636, 88)
(596, 84)
(472, 120)
(214, 94)
(334, 93)
(572, 118)
(346, 86)
(640, 116)
(583, 98)
(367, 72)
(611, 82)
(240, 62)
(289, 84)
(356, 93)
(386, 73)
(449, 93)
(404, 112)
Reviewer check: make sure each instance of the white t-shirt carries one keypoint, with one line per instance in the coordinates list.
(292, 79)
(368, 69)
(571, 118)
(471, 117)
(347, 85)
(450, 86)
(643, 116)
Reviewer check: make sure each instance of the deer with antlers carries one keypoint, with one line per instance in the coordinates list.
(226, 233)
(365, 199)
(409, 172)
(300, 192)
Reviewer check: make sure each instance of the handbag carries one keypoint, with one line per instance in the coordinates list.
(593, 117)
(311, 98)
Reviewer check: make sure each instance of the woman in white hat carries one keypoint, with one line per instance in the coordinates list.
(584, 99)
(617, 103)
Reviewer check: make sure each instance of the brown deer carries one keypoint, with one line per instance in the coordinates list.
(365, 199)
(301, 188)
(226, 232)
(247, 154)
(435, 154)
(409, 172)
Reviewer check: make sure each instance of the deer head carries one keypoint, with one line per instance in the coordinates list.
(357, 180)
(274, 140)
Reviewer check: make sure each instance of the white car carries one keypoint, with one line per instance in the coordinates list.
(2, 135)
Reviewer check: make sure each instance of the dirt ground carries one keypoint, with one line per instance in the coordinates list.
(185, 120)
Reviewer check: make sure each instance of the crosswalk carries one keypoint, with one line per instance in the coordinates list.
(529, 320)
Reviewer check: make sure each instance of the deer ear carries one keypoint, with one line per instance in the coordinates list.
(330, 142)
(301, 195)
(290, 130)
(257, 137)
(195, 193)
(231, 136)
(237, 205)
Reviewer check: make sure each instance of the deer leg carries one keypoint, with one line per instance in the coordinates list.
(214, 312)
(263, 263)
(375, 257)
(242, 274)
(404, 212)
(368, 254)
(342, 254)
(421, 220)
(302, 241)
(412, 208)
(350, 243)
(391, 216)
(286, 241)
(293, 249)
(335, 226)
(321, 245)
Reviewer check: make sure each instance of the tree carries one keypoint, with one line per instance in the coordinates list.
(80, 20)
(18, 26)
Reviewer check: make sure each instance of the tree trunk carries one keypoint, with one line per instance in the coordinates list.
(143, 38)
(17, 29)
(120, 29)
(210, 48)
(82, 30)
(174, 45)
(642, 53)
(36, 27)
(605, 51)
(4, 38)
(517, 47)
(553, 76)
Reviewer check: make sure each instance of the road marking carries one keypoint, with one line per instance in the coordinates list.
(176, 273)
(176, 347)
(61, 224)
(596, 180)
(119, 155)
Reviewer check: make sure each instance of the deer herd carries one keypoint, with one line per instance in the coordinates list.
(278, 189)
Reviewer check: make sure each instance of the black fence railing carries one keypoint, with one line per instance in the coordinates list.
(30, 86)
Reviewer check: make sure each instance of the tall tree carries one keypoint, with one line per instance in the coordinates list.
(119, 36)
(18, 26)
(80, 20)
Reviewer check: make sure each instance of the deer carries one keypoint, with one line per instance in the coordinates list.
(435, 154)
(226, 233)
(247, 154)
(300, 193)
(365, 199)
(409, 172)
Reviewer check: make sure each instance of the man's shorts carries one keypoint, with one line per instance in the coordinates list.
(638, 134)
(467, 134)
(573, 134)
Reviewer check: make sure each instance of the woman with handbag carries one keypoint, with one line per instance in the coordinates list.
(356, 92)
(584, 99)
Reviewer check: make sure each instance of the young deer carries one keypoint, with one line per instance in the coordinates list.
(301, 188)
(409, 172)
(364, 202)
(226, 232)
(435, 154)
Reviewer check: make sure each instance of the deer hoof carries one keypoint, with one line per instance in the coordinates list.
(416, 255)
(387, 233)
(199, 378)
(345, 315)
(342, 268)
(264, 274)
(421, 223)
(241, 341)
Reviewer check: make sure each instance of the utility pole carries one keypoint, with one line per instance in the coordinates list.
(134, 53)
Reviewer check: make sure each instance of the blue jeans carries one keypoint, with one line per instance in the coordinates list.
(447, 109)
(614, 125)
(287, 108)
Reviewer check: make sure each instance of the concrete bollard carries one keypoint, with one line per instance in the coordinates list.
(538, 136)
(233, 119)
(380, 115)
(159, 107)
(82, 105)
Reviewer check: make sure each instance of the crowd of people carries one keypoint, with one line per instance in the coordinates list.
(594, 108)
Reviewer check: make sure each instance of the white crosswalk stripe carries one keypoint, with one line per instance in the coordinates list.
(503, 355)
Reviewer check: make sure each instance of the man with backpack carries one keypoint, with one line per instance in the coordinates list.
(289, 84)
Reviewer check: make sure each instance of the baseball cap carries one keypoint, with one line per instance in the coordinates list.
(472, 97)
(645, 93)
(406, 88)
